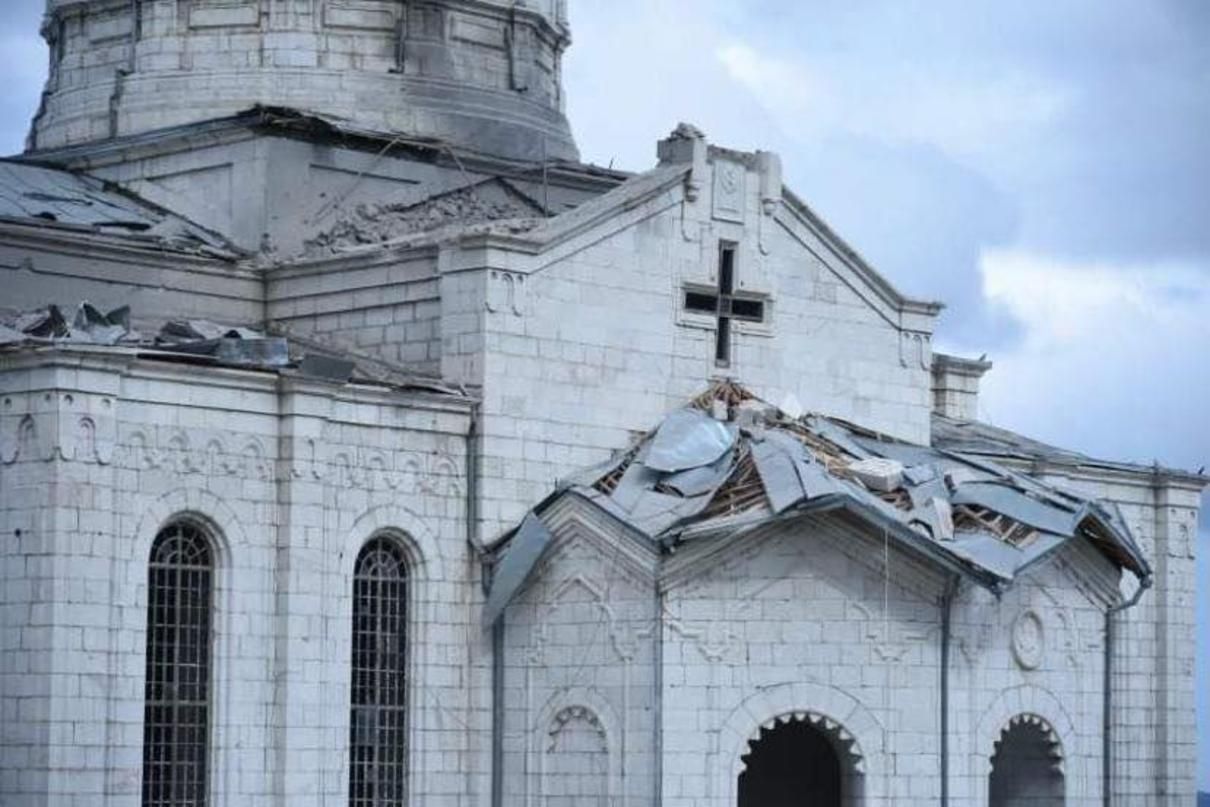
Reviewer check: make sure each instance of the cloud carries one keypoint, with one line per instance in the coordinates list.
(961, 115)
(1112, 356)
(23, 62)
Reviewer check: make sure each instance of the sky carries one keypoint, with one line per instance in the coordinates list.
(1042, 168)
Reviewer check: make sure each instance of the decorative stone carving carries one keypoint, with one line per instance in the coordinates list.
(915, 347)
(1028, 640)
(1186, 542)
(712, 638)
(624, 642)
(506, 293)
(70, 427)
(890, 644)
(572, 714)
(730, 190)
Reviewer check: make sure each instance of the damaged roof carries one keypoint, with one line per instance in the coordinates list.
(51, 197)
(488, 200)
(199, 341)
(985, 440)
(729, 463)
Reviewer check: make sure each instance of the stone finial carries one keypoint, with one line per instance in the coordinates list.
(686, 144)
(769, 165)
(687, 131)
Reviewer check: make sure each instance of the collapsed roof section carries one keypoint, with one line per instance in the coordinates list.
(730, 463)
(69, 201)
(489, 200)
(207, 343)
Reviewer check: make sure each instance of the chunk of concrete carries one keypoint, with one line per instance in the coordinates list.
(878, 473)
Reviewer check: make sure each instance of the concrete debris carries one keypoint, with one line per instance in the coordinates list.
(490, 200)
(878, 474)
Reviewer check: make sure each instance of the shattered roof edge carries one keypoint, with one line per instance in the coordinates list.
(286, 122)
(166, 358)
(1134, 471)
(43, 230)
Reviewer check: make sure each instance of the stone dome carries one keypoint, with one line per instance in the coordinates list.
(481, 75)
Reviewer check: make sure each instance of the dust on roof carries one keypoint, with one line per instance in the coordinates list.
(493, 199)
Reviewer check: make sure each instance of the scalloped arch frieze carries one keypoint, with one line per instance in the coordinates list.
(57, 426)
(188, 452)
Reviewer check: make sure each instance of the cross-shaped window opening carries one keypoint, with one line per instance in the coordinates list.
(724, 304)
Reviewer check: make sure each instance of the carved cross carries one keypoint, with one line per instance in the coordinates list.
(725, 304)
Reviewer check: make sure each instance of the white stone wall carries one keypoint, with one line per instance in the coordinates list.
(586, 342)
(1155, 733)
(580, 671)
(290, 480)
(382, 305)
(36, 270)
(797, 620)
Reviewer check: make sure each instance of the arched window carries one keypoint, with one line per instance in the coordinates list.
(378, 716)
(1027, 768)
(176, 715)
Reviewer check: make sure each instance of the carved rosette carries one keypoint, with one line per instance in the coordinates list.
(1028, 640)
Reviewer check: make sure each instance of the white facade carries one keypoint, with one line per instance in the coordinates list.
(537, 346)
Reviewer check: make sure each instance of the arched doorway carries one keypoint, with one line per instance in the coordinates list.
(1027, 767)
(803, 760)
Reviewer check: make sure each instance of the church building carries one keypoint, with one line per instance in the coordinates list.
(360, 446)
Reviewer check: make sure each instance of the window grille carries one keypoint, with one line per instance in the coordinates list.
(176, 717)
(378, 719)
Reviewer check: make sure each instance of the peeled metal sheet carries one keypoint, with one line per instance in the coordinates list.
(1017, 506)
(268, 352)
(921, 494)
(656, 512)
(514, 568)
(688, 438)
(919, 474)
(1004, 560)
(839, 437)
(937, 515)
(697, 481)
(905, 453)
(778, 475)
(318, 365)
(637, 482)
(815, 479)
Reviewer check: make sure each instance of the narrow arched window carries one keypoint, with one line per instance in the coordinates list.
(378, 719)
(176, 714)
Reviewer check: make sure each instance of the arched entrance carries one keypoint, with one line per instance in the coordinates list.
(802, 760)
(1027, 767)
